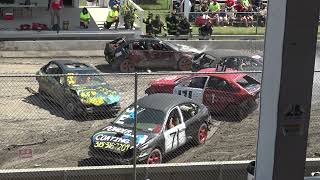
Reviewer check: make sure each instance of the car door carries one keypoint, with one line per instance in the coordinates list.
(175, 135)
(192, 88)
(218, 94)
(138, 53)
(189, 113)
(159, 55)
(54, 87)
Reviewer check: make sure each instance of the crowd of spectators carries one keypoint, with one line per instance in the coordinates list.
(229, 13)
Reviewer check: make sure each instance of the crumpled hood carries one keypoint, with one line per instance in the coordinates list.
(97, 95)
(118, 139)
(185, 48)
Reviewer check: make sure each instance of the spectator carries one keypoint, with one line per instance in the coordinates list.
(84, 18)
(129, 16)
(245, 4)
(206, 29)
(204, 8)
(113, 17)
(223, 19)
(248, 17)
(55, 7)
(197, 6)
(239, 12)
(148, 23)
(172, 23)
(229, 3)
(184, 26)
(214, 8)
(157, 25)
(262, 14)
(230, 11)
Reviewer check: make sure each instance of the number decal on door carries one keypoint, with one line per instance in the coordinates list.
(173, 134)
(212, 98)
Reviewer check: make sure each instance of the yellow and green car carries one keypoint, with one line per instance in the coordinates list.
(77, 88)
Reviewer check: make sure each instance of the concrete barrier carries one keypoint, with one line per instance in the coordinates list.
(228, 170)
(79, 48)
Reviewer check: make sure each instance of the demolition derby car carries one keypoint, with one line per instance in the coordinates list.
(125, 55)
(231, 93)
(234, 60)
(165, 122)
(75, 90)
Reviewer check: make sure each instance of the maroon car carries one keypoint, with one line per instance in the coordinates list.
(126, 55)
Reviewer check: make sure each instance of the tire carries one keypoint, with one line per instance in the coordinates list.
(125, 66)
(155, 157)
(184, 64)
(236, 112)
(72, 109)
(202, 134)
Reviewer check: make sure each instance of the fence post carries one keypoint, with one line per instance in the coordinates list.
(135, 126)
(257, 24)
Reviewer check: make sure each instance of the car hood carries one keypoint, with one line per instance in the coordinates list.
(185, 48)
(97, 95)
(170, 80)
(119, 139)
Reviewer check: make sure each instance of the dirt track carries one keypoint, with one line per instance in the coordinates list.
(27, 118)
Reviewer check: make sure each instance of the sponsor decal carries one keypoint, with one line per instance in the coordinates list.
(105, 137)
(112, 145)
(141, 139)
(129, 114)
(118, 130)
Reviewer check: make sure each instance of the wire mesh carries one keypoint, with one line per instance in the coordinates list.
(47, 121)
(39, 131)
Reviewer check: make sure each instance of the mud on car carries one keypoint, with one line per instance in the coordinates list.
(62, 83)
(126, 55)
(232, 93)
(165, 122)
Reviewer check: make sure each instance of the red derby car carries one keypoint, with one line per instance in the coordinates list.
(232, 93)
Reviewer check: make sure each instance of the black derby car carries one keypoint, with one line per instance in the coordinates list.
(234, 59)
(165, 123)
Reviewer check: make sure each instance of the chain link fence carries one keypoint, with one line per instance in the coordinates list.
(89, 120)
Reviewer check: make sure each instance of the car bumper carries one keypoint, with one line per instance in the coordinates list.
(101, 109)
(112, 157)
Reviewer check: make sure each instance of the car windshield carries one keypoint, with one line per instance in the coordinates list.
(175, 47)
(85, 79)
(149, 120)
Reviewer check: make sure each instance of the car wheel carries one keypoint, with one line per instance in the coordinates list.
(184, 64)
(155, 157)
(126, 66)
(202, 134)
(236, 112)
(71, 109)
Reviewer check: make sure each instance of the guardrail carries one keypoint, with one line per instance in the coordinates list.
(225, 170)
